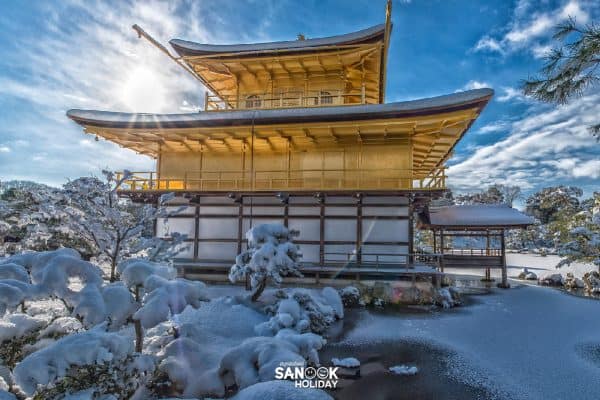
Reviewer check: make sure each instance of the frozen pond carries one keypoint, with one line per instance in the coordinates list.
(524, 343)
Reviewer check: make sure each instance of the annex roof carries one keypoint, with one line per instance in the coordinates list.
(475, 216)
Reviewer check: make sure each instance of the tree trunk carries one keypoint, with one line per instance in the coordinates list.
(139, 335)
(259, 289)
(113, 267)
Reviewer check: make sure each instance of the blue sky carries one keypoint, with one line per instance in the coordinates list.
(80, 54)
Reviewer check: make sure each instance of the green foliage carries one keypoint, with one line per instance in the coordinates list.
(554, 204)
(571, 68)
(118, 379)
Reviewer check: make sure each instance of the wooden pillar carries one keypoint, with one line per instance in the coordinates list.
(504, 283)
(359, 230)
(196, 231)
(286, 211)
(442, 249)
(240, 225)
(435, 250)
(411, 233)
(321, 232)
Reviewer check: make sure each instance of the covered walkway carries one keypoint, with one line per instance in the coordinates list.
(473, 236)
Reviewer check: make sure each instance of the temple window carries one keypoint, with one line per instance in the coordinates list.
(253, 101)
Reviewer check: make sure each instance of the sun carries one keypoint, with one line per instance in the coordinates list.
(143, 91)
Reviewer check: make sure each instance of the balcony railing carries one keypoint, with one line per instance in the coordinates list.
(283, 100)
(308, 179)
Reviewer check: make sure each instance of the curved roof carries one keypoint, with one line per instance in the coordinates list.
(475, 216)
(187, 48)
(435, 105)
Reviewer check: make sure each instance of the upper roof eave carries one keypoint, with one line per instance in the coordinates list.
(476, 98)
(188, 48)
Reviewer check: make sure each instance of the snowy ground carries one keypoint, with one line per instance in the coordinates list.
(533, 262)
(524, 343)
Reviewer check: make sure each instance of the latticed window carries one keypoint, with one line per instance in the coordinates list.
(326, 98)
(253, 101)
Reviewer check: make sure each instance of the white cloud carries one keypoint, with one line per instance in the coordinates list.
(474, 84)
(490, 44)
(494, 127)
(588, 169)
(4, 149)
(529, 25)
(540, 50)
(548, 146)
(510, 93)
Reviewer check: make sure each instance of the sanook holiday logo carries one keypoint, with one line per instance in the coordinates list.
(307, 377)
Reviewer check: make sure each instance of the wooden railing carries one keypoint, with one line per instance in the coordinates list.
(308, 179)
(382, 260)
(283, 100)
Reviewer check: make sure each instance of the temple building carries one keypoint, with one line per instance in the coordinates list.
(296, 132)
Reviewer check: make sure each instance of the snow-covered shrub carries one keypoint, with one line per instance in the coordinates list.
(16, 332)
(83, 360)
(14, 271)
(350, 296)
(303, 311)
(167, 297)
(134, 272)
(271, 255)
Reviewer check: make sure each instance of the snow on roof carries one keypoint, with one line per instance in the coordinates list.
(187, 48)
(433, 105)
(476, 215)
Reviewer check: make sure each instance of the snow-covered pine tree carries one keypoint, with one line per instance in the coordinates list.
(584, 236)
(270, 256)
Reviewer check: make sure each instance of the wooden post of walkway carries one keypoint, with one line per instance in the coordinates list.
(504, 283)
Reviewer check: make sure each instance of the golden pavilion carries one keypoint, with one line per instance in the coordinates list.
(297, 132)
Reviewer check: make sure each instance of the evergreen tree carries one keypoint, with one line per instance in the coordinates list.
(571, 68)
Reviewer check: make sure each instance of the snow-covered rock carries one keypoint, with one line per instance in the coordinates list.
(551, 279)
(448, 297)
(349, 362)
(525, 274)
(592, 282)
(404, 369)
(572, 282)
